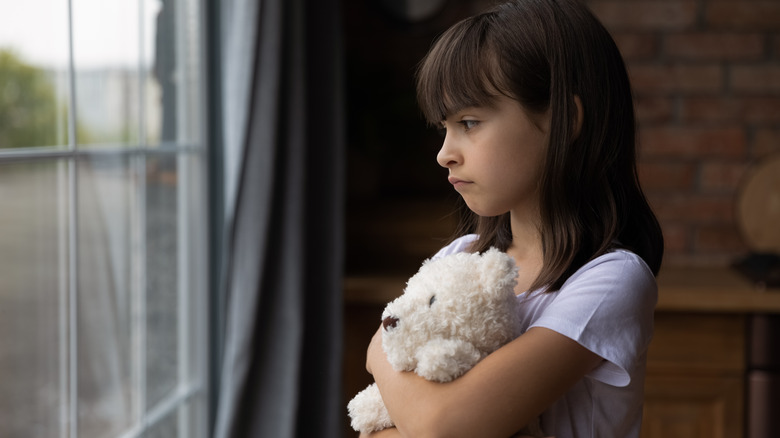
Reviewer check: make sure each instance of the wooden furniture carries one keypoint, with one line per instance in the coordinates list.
(696, 368)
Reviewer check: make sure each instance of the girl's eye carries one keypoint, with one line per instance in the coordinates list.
(469, 124)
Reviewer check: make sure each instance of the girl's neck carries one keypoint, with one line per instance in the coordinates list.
(526, 249)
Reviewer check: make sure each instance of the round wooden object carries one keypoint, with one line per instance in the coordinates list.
(758, 207)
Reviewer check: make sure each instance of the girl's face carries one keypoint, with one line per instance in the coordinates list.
(495, 156)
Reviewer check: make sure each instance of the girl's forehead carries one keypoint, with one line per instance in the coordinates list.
(484, 100)
(461, 71)
(455, 112)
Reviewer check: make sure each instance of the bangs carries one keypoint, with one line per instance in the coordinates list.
(461, 70)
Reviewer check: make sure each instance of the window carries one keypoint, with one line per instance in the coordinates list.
(102, 219)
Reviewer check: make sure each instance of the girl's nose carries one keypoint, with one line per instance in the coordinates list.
(447, 156)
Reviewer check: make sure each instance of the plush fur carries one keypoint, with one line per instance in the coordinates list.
(454, 311)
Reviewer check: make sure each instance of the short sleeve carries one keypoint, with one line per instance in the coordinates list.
(460, 244)
(607, 306)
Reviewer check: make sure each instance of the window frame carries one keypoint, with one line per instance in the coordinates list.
(198, 270)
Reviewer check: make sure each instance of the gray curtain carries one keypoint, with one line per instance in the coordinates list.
(282, 103)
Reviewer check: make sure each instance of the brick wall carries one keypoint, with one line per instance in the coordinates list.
(706, 75)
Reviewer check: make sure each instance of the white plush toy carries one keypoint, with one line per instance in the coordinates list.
(454, 311)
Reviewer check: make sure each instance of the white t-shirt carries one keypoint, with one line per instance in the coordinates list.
(607, 307)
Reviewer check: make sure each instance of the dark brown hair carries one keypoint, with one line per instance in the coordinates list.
(543, 53)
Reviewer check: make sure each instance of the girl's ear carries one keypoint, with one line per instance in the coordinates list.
(580, 117)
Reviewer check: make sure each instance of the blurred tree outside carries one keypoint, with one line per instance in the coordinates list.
(30, 111)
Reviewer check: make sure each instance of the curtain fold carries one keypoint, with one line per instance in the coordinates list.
(281, 368)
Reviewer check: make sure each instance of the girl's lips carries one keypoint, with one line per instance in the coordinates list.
(457, 181)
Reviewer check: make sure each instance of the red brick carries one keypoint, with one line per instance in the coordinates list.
(776, 48)
(761, 79)
(765, 142)
(646, 15)
(693, 208)
(650, 109)
(747, 15)
(720, 238)
(721, 177)
(753, 110)
(635, 46)
(715, 46)
(657, 176)
(677, 237)
(693, 142)
(670, 79)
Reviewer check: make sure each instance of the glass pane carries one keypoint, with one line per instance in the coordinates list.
(105, 301)
(186, 422)
(106, 52)
(33, 284)
(189, 85)
(194, 254)
(192, 420)
(160, 63)
(168, 427)
(33, 73)
(162, 260)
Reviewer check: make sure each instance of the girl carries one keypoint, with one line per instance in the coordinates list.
(540, 144)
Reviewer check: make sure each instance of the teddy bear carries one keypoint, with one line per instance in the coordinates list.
(453, 312)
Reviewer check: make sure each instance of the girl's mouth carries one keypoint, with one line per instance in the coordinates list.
(457, 182)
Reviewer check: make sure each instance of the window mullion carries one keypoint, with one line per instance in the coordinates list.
(64, 261)
(183, 124)
(72, 166)
(139, 287)
(139, 261)
(73, 253)
(184, 289)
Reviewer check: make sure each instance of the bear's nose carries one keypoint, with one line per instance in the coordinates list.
(389, 322)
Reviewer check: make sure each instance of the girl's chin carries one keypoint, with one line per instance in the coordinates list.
(482, 210)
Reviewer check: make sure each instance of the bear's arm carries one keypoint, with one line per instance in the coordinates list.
(442, 360)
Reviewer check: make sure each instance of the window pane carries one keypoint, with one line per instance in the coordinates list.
(105, 301)
(189, 84)
(162, 258)
(160, 63)
(194, 252)
(33, 74)
(185, 422)
(106, 52)
(168, 427)
(33, 283)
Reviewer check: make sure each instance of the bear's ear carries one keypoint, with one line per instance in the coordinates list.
(497, 267)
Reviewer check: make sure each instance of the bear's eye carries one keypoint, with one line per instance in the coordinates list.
(433, 300)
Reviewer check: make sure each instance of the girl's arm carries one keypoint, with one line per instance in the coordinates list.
(386, 433)
(497, 397)
(393, 433)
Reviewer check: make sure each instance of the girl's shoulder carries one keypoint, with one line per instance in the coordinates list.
(619, 280)
(619, 263)
(461, 244)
